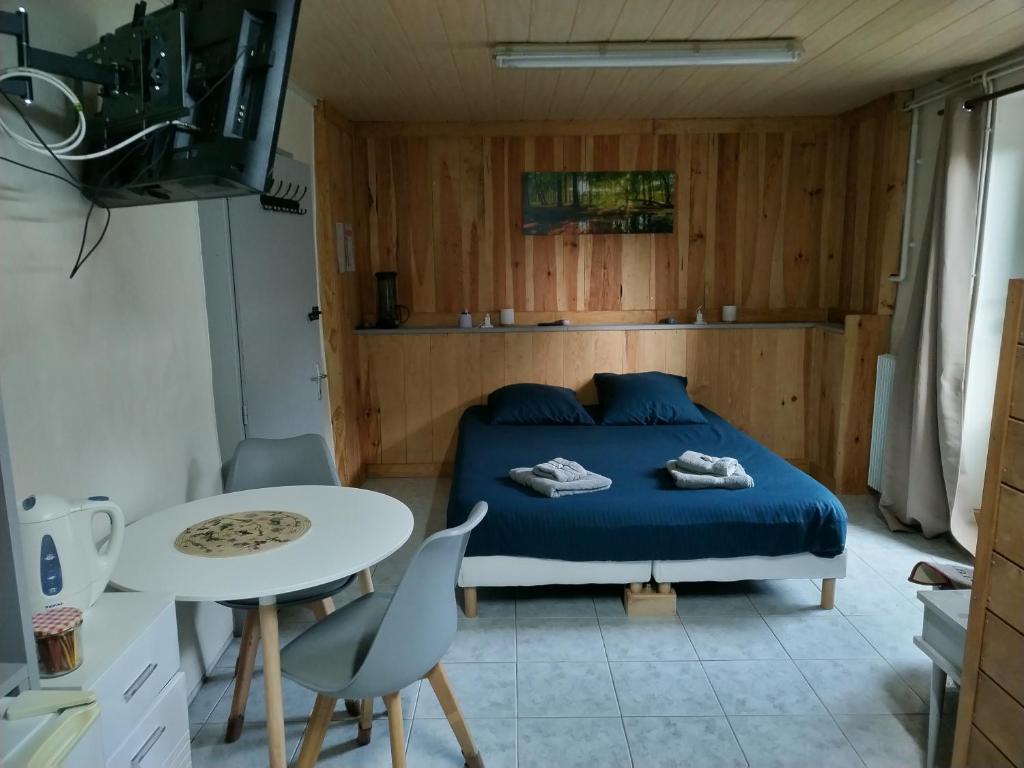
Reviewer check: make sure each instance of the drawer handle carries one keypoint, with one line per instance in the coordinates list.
(154, 737)
(140, 681)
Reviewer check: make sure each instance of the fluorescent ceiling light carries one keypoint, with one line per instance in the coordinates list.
(660, 54)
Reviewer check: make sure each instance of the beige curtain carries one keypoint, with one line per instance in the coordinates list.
(922, 453)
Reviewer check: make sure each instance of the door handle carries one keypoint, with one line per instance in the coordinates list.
(319, 380)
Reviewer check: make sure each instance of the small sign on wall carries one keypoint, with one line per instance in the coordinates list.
(345, 246)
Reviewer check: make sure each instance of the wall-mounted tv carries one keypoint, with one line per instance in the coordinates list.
(218, 70)
(599, 202)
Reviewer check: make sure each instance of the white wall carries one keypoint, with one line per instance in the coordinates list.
(1001, 258)
(296, 133)
(105, 378)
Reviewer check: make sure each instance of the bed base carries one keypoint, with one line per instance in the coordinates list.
(648, 590)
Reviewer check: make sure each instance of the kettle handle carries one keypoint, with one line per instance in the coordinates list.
(104, 563)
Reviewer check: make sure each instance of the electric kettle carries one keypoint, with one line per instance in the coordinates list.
(63, 566)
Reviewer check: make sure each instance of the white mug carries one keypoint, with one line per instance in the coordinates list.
(729, 313)
(507, 317)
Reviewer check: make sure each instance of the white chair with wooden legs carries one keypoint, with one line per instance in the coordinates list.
(380, 643)
(259, 463)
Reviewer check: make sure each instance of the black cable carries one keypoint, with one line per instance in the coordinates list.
(80, 259)
(76, 185)
(35, 133)
(158, 156)
(103, 233)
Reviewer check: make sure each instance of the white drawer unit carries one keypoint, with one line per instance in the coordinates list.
(131, 663)
(156, 740)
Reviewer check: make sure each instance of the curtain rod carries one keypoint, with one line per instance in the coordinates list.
(972, 103)
(1006, 68)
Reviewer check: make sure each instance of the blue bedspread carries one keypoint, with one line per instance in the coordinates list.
(643, 516)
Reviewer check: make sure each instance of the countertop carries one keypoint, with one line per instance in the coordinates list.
(435, 329)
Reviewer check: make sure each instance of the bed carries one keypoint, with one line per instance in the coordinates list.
(643, 528)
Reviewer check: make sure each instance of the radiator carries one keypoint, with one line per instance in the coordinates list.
(883, 391)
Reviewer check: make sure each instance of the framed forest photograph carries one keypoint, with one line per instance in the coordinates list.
(598, 202)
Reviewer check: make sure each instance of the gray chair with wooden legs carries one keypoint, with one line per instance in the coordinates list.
(260, 463)
(380, 643)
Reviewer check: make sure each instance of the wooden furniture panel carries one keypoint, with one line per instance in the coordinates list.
(1006, 592)
(982, 752)
(999, 716)
(1002, 655)
(1017, 395)
(988, 707)
(1009, 541)
(1013, 454)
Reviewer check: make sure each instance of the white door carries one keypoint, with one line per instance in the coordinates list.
(284, 387)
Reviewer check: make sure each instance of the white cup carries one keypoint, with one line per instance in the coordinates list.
(729, 313)
(507, 317)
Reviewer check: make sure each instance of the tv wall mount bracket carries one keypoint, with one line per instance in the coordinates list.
(15, 24)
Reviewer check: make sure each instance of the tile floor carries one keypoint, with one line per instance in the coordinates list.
(747, 674)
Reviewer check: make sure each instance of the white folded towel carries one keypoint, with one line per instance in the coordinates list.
(693, 482)
(702, 464)
(562, 470)
(553, 488)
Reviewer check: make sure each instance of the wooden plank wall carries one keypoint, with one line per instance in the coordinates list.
(416, 386)
(873, 145)
(791, 219)
(788, 218)
(840, 400)
(339, 293)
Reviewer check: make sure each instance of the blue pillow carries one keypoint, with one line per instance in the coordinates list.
(536, 404)
(645, 398)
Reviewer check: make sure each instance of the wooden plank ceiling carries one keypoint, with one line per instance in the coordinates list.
(430, 59)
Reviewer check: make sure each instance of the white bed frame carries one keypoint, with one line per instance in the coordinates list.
(501, 571)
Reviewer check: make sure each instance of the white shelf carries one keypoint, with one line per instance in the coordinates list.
(435, 329)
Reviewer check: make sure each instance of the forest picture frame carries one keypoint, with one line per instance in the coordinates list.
(598, 202)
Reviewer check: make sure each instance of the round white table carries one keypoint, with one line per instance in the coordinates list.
(351, 530)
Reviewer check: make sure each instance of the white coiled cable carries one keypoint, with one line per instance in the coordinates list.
(62, 148)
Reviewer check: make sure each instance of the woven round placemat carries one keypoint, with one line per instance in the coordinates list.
(241, 533)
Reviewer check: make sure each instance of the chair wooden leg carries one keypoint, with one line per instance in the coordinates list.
(316, 730)
(365, 723)
(446, 696)
(469, 602)
(828, 594)
(244, 665)
(396, 729)
(365, 581)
